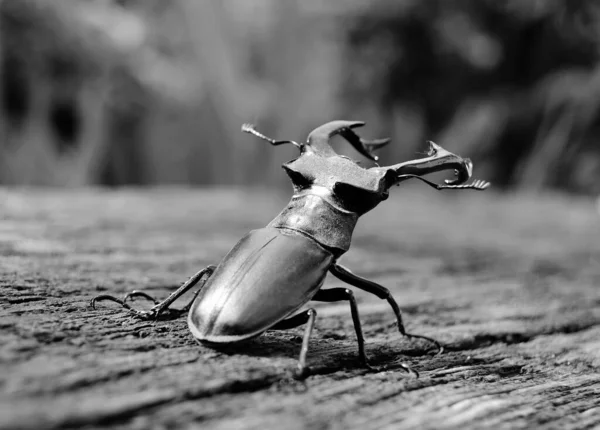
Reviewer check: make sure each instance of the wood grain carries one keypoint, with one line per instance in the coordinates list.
(508, 283)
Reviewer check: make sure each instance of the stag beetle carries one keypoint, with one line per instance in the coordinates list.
(273, 271)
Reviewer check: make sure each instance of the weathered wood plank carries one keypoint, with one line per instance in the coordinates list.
(510, 289)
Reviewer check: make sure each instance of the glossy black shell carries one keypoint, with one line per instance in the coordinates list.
(266, 277)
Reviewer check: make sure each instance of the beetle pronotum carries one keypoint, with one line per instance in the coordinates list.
(274, 271)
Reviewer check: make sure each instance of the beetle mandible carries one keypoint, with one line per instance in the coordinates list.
(274, 271)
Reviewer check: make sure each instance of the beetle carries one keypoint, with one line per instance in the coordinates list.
(272, 272)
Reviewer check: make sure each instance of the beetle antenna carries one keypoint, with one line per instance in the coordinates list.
(249, 128)
(477, 184)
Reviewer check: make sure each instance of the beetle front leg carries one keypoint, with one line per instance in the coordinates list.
(307, 317)
(160, 307)
(380, 291)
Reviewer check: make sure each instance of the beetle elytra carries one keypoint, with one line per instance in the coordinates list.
(272, 272)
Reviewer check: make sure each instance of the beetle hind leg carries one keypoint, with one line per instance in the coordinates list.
(380, 291)
(307, 317)
(160, 308)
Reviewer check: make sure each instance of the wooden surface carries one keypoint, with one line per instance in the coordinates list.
(508, 283)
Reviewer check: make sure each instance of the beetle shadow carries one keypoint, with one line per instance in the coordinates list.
(320, 362)
(265, 345)
(324, 357)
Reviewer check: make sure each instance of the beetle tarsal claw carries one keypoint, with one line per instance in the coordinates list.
(409, 370)
(302, 373)
(108, 298)
(438, 345)
(150, 314)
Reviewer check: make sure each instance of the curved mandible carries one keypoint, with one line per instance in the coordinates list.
(318, 139)
(438, 159)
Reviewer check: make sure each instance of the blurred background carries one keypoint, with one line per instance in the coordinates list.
(143, 92)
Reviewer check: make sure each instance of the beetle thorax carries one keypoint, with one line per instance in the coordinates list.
(316, 216)
(331, 192)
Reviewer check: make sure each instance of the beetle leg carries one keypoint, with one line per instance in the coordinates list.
(338, 295)
(138, 293)
(307, 316)
(163, 306)
(292, 322)
(380, 291)
(160, 307)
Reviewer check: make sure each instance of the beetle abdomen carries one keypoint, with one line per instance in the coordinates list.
(266, 277)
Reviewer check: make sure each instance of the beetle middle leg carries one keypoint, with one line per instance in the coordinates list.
(161, 307)
(338, 295)
(380, 291)
(307, 317)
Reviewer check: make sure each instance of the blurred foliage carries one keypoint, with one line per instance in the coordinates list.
(146, 91)
(514, 84)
